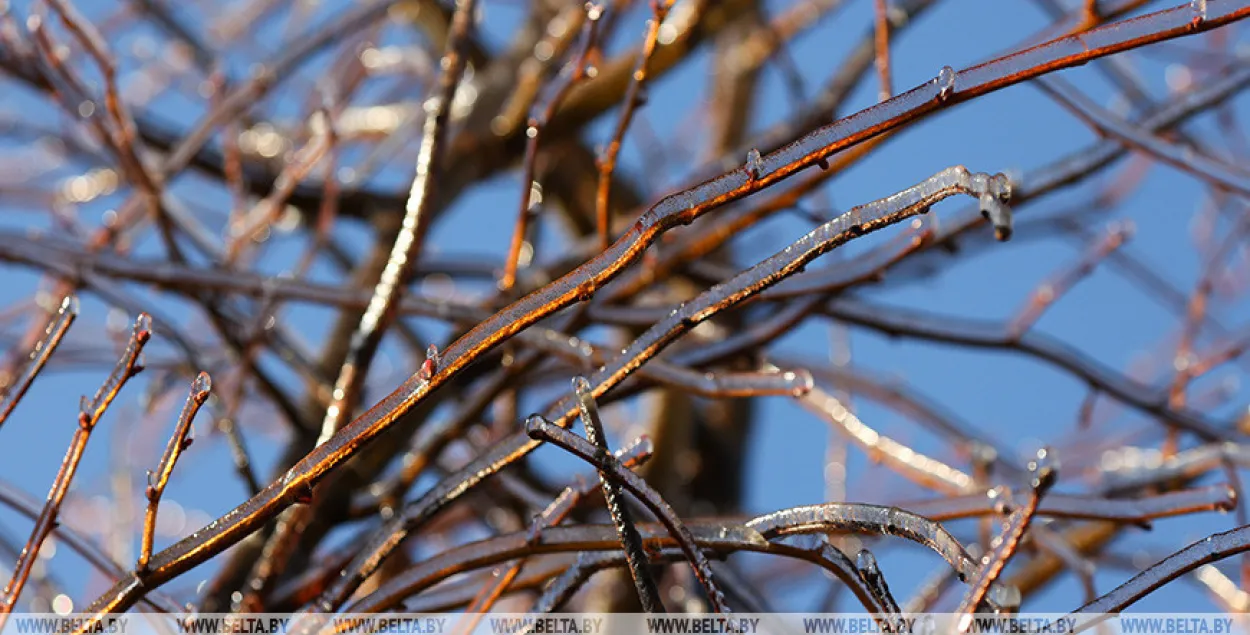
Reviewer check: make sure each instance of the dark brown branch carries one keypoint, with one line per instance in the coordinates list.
(533, 134)
(1210, 549)
(644, 583)
(539, 428)
(632, 456)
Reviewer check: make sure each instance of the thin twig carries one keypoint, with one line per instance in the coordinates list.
(1051, 291)
(633, 99)
(644, 582)
(94, 555)
(57, 327)
(871, 572)
(924, 470)
(181, 439)
(1138, 511)
(1042, 472)
(539, 428)
(533, 133)
(1186, 159)
(89, 415)
(1207, 550)
(630, 457)
(881, 23)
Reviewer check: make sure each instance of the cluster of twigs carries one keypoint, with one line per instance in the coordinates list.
(644, 316)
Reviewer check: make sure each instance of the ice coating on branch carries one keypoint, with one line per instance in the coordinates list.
(431, 363)
(188, 438)
(946, 83)
(755, 164)
(801, 382)
(1043, 470)
(69, 306)
(995, 192)
(1006, 596)
(1199, 10)
(867, 563)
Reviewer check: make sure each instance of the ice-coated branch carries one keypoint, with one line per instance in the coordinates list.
(541, 429)
(631, 542)
(681, 208)
(180, 440)
(57, 327)
(530, 189)
(559, 508)
(1207, 550)
(1003, 547)
(862, 518)
(90, 411)
(1182, 157)
(918, 467)
(872, 574)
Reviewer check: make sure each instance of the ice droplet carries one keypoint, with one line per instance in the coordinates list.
(946, 83)
(1199, 10)
(755, 164)
(867, 563)
(202, 385)
(70, 305)
(1043, 469)
(1006, 596)
(143, 323)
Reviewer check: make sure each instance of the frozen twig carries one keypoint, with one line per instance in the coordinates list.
(872, 574)
(182, 437)
(1003, 547)
(540, 428)
(881, 24)
(531, 192)
(918, 467)
(57, 327)
(1207, 550)
(634, 97)
(1184, 158)
(89, 415)
(635, 554)
(552, 515)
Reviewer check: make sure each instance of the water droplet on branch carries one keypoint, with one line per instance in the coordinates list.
(946, 83)
(755, 164)
(1198, 9)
